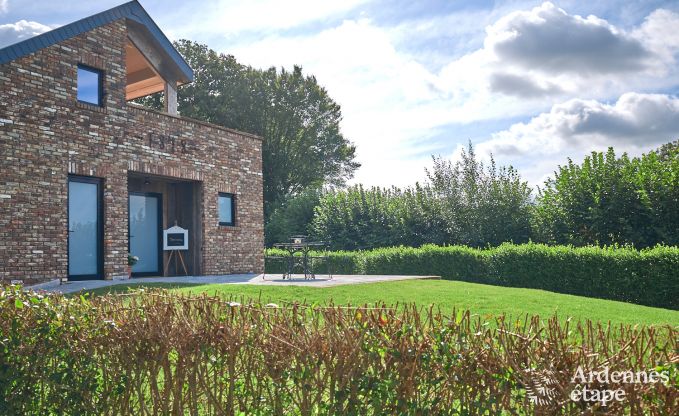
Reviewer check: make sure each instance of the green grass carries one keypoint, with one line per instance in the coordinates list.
(127, 287)
(485, 300)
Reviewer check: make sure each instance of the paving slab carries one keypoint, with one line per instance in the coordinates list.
(250, 279)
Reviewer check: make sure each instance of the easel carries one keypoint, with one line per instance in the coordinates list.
(181, 259)
(175, 240)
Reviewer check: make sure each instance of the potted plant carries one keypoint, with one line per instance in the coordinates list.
(131, 261)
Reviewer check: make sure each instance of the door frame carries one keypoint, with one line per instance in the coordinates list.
(161, 268)
(100, 227)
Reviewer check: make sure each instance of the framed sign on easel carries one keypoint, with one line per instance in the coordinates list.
(176, 240)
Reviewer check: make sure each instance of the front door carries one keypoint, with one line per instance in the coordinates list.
(145, 232)
(85, 229)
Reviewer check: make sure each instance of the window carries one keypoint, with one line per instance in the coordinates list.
(90, 85)
(227, 209)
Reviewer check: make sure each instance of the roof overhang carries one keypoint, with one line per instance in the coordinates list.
(148, 64)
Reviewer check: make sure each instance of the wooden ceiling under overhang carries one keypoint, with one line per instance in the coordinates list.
(148, 68)
(142, 78)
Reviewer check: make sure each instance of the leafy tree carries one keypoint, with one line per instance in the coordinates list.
(609, 200)
(463, 203)
(293, 217)
(668, 151)
(656, 175)
(480, 204)
(360, 218)
(303, 146)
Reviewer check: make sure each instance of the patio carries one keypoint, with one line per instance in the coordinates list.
(250, 279)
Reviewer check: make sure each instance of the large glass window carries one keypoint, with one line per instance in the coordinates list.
(84, 228)
(90, 85)
(227, 209)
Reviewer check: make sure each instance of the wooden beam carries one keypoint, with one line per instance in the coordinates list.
(142, 90)
(171, 98)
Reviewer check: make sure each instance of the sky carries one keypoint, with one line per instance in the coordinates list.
(532, 83)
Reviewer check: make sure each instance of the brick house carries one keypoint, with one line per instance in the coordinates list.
(86, 176)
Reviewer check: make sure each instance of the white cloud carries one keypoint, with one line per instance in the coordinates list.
(11, 33)
(549, 40)
(660, 36)
(3, 6)
(634, 124)
(547, 52)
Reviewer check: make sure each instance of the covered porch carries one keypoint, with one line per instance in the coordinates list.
(157, 203)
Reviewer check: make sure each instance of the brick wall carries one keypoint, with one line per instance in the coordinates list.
(46, 134)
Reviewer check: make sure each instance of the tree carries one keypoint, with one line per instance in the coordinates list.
(292, 217)
(656, 175)
(609, 200)
(303, 146)
(462, 203)
(481, 205)
(360, 218)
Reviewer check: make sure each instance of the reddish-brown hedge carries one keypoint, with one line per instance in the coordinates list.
(162, 353)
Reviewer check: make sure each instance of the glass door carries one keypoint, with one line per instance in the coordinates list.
(145, 232)
(85, 246)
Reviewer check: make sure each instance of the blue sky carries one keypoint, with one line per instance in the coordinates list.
(530, 82)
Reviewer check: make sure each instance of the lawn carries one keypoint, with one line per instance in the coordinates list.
(485, 300)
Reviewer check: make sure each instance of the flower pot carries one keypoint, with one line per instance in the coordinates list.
(129, 272)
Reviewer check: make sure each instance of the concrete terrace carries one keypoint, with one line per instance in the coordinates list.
(249, 279)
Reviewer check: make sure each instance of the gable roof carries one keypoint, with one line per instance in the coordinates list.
(131, 10)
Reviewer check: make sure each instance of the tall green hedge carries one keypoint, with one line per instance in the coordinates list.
(646, 277)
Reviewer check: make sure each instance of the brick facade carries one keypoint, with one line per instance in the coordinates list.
(46, 134)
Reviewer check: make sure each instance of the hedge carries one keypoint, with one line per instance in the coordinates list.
(159, 353)
(646, 277)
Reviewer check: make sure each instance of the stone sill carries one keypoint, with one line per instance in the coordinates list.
(92, 107)
(229, 228)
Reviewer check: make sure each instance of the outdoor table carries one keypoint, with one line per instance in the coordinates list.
(304, 247)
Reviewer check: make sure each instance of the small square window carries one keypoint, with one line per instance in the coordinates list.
(90, 85)
(227, 209)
